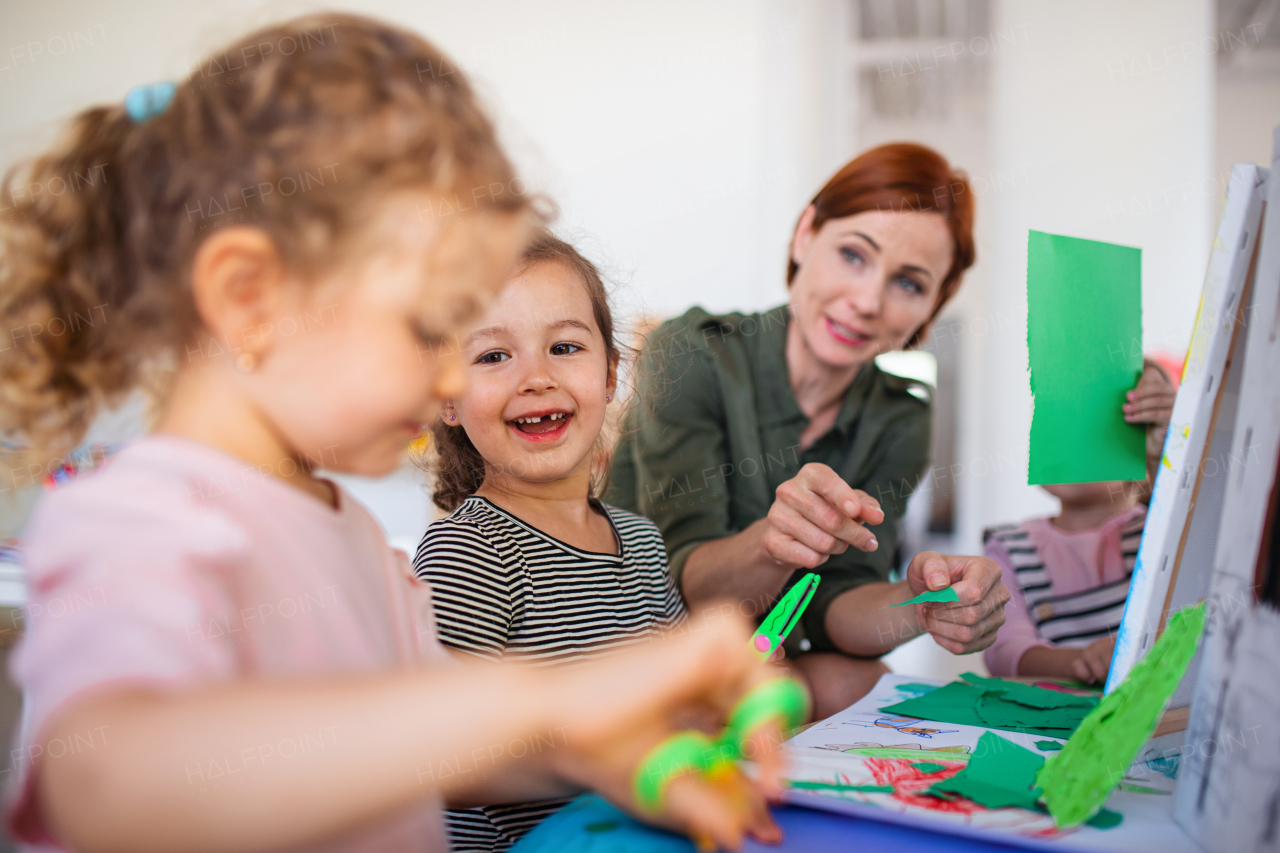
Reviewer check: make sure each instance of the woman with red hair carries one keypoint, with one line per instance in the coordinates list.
(768, 445)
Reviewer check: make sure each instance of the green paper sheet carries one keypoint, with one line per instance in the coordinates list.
(965, 704)
(1084, 340)
(1048, 745)
(947, 594)
(1078, 780)
(1000, 774)
(928, 766)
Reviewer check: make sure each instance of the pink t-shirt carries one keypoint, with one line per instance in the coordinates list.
(178, 565)
(1074, 562)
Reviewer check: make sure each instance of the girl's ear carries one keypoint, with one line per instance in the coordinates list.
(449, 415)
(803, 235)
(611, 386)
(238, 281)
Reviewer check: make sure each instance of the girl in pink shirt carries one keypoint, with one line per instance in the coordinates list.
(289, 246)
(1068, 576)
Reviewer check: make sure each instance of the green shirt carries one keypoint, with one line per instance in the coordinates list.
(715, 429)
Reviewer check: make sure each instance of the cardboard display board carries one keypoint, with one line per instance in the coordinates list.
(1172, 567)
(1228, 795)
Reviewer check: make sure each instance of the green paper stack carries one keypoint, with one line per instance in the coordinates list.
(997, 704)
(1078, 780)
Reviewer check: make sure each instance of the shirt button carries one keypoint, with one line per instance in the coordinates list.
(805, 645)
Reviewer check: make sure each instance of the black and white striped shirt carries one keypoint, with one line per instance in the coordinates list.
(505, 590)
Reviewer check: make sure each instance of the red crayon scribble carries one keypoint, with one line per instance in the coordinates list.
(909, 783)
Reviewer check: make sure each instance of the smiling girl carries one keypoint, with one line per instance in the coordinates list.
(529, 565)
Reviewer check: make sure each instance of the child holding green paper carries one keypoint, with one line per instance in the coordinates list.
(1068, 576)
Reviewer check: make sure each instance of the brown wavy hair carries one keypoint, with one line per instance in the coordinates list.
(457, 467)
(295, 129)
(903, 176)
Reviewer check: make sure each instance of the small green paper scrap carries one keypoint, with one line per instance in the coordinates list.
(947, 594)
(1078, 780)
(1000, 774)
(1105, 819)
(928, 766)
(836, 786)
(1048, 745)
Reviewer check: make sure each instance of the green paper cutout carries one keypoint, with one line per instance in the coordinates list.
(928, 766)
(1078, 780)
(836, 786)
(973, 706)
(946, 594)
(916, 688)
(1000, 774)
(1105, 819)
(1084, 342)
(1048, 745)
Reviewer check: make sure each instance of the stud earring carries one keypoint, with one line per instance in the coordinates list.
(453, 417)
(246, 362)
(607, 398)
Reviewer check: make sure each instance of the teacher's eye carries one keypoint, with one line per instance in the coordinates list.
(909, 285)
(852, 256)
(564, 348)
(493, 356)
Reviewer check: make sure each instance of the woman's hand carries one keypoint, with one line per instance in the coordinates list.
(970, 624)
(817, 514)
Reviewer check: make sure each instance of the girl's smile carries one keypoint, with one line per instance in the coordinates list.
(543, 426)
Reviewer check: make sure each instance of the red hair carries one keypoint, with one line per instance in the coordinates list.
(903, 176)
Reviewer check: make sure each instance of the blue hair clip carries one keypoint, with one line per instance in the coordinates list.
(143, 102)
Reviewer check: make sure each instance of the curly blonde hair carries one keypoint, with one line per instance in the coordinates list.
(294, 129)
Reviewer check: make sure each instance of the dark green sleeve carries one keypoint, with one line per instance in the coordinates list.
(667, 466)
(894, 469)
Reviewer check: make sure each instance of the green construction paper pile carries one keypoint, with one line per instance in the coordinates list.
(999, 774)
(997, 704)
(947, 594)
(1078, 780)
(1084, 342)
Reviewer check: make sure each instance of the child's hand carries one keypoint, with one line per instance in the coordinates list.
(1094, 661)
(620, 707)
(1151, 402)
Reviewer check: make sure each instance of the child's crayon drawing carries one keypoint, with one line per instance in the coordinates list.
(906, 725)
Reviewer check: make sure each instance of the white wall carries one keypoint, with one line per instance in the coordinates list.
(1109, 109)
(670, 132)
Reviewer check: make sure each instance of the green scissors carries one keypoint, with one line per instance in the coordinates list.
(784, 615)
